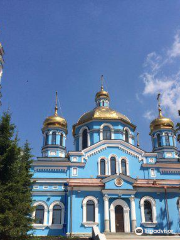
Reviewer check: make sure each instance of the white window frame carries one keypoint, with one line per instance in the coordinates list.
(129, 134)
(35, 187)
(74, 175)
(117, 165)
(80, 137)
(84, 204)
(101, 130)
(45, 187)
(151, 171)
(153, 206)
(55, 187)
(127, 165)
(56, 226)
(44, 225)
(99, 166)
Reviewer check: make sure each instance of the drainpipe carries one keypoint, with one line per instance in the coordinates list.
(66, 207)
(167, 209)
(71, 212)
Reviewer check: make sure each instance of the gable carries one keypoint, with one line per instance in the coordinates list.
(118, 182)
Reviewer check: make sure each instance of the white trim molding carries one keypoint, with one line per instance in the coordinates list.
(36, 225)
(56, 226)
(127, 165)
(84, 204)
(101, 130)
(80, 137)
(99, 165)
(153, 207)
(125, 212)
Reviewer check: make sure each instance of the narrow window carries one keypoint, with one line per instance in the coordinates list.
(84, 139)
(123, 167)
(158, 140)
(153, 173)
(39, 214)
(113, 165)
(106, 133)
(61, 139)
(102, 167)
(54, 138)
(74, 171)
(56, 215)
(148, 211)
(126, 136)
(167, 142)
(46, 139)
(90, 214)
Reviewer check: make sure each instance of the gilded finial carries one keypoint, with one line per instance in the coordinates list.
(159, 105)
(102, 79)
(56, 107)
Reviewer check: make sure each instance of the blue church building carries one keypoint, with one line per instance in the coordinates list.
(107, 181)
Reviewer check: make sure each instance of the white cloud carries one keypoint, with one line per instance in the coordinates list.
(175, 49)
(162, 75)
(139, 99)
(149, 115)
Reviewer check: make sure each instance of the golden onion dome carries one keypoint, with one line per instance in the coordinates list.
(102, 113)
(161, 123)
(102, 94)
(55, 120)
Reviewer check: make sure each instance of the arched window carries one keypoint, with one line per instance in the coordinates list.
(61, 139)
(148, 211)
(46, 139)
(123, 167)
(90, 211)
(113, 165)
(90, 208)
(56, 214)
(102, 167)
(106, 133)
(126, 136)
(159, 140)
(167, 142)
(54, 138)
(39, 214)
(84, 139)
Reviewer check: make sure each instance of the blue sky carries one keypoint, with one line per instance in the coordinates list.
(66, 45)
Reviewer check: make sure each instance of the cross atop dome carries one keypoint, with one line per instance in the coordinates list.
(102, 97)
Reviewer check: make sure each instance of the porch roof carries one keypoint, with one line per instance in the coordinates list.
(168, 183)
(85, 182)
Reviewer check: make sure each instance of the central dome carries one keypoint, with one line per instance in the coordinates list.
(100, 113)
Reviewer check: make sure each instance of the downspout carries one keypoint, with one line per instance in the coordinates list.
(167, 209)
(66, 207)
(71, 212)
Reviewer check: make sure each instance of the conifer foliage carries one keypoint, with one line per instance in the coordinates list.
(15, 184)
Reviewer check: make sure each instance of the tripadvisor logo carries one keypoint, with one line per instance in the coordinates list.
(138, 231)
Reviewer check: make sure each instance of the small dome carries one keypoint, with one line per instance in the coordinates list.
(55, 121)
(102, 94)
(102, 113)
(161, 123)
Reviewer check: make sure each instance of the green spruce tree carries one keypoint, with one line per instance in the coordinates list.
(15, 184)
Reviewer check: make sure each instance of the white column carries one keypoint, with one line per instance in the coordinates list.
(133, 212)
(106, 213)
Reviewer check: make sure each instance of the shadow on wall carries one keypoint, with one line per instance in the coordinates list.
(163, 220)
